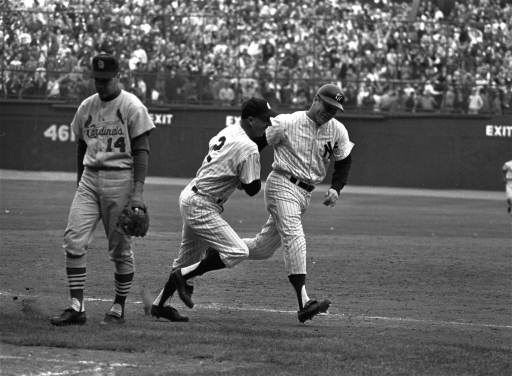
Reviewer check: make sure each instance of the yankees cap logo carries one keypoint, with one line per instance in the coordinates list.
(332, 95)
(101, 64)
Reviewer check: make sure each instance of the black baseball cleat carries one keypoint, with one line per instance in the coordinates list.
(181, 286)
(112, 318)
(167, 312)
(312, 308)
(69, 317)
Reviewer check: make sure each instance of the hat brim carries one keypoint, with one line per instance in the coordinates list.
(104, 74)
(268, 114)
(331, 102)
(272, 113)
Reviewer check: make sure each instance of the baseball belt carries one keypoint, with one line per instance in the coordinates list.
(307, 187)
(217, 201)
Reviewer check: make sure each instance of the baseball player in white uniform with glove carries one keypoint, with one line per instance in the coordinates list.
(232, 162)
(112, 129)
(304, 143)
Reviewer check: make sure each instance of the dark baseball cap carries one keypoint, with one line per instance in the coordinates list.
(104, 66)
(257, 107)
(332, 95)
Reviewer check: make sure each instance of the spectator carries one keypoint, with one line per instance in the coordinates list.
(37, 86)
(308, 43)
(411, 102)
(427, 102)
(174, 86)
(448, 101)
(476, 102)
(227, 94)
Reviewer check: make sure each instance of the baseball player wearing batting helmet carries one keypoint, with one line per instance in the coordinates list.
(233, 161)
(302, 153)
(112, 128)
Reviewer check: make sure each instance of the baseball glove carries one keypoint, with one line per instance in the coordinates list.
(134, 221)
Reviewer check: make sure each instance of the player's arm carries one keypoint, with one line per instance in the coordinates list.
(340, 173)
(249, 176)
(81, 145)
(140, 154)
(81, 148)
(274, 134)
(338, 181)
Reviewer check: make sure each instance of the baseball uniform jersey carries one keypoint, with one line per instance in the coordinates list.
(301, 159)
(107, 128)
(232, 159)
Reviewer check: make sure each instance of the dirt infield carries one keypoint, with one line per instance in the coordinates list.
(420, 285)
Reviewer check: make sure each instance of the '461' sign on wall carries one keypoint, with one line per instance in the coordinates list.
(60, 133)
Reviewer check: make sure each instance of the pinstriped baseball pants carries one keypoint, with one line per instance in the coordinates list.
(286, 204)
(204, 227)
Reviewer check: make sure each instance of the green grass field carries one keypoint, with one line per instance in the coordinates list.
(420, 285)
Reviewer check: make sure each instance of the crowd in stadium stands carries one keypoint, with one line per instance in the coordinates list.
(440, 55)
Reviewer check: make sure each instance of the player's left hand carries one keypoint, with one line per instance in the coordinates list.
(136, 201)
(330, 198)
(134, 220)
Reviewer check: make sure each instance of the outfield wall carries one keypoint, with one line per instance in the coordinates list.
(423, 151)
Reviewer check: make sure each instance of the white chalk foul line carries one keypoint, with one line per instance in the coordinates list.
(343, 316)
(97, 367)
(338, 316)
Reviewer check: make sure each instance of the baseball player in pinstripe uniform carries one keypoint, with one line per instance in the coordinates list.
(302, 153)
(506, 169)
(232, 161)
(112, 128)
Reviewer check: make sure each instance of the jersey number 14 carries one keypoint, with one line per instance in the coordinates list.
(118, 144)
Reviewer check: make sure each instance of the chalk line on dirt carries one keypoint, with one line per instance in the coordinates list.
(335, 316)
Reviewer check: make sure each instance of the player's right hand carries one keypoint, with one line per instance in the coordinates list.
(276, 134)
(330, 198)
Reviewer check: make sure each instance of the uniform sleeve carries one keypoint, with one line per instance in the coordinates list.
(249, 168)
(344, 144)
(139, 121)
(77, 122)
(276, 132)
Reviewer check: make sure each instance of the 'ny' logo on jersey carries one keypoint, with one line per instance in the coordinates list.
(329, 149)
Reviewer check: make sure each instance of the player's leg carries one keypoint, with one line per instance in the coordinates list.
(116, 187)
(192, 250)
(508, 190)
(84, 215)
(225, 248)
(286, 207)
(287, 204)
(188, 254)
(265, 243)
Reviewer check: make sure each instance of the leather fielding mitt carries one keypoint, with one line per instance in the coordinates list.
(134, 221)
